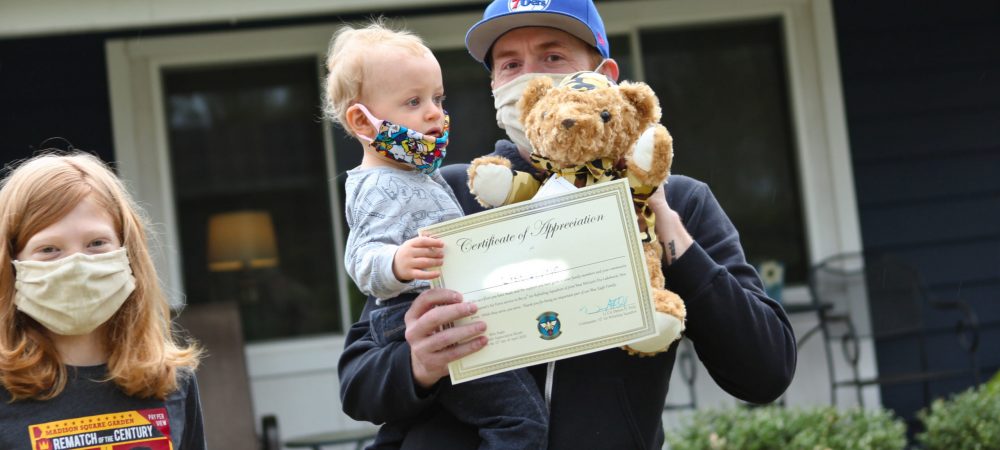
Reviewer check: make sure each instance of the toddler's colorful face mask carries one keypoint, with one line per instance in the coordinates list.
(411, 147)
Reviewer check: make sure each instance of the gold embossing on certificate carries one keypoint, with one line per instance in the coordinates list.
(553, 278)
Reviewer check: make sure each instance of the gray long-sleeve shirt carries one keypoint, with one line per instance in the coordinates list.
(386, 207)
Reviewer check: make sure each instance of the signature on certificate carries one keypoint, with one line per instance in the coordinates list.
(612, 304)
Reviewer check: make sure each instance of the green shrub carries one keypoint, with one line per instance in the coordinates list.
(993, 386)
(969, 420)
(780, 428)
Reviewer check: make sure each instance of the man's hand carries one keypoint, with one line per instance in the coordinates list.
(669, 229)
(431, 347)
(415, 256)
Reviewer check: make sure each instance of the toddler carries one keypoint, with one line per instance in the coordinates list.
(385, 88)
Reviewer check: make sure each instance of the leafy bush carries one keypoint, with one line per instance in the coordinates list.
(779, 428)
(969, 420)
(993, 386)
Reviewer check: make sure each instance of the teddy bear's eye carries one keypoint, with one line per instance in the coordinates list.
(605, 116)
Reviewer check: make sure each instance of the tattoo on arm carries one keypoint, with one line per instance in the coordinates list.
(673, 251)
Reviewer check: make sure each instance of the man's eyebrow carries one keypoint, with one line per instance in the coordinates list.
(503, 54)
(554, 44)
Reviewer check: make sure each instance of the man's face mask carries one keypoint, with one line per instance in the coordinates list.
(505, 101)
(410, 147)
(76, 294)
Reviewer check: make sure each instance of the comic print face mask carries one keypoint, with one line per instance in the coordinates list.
(410, 147)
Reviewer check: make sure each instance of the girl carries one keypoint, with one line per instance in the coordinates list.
(87, 356)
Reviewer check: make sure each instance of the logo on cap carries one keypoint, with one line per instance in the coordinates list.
(527, 5)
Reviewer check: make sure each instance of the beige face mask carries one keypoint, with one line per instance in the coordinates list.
(76, 294)
(505, 101)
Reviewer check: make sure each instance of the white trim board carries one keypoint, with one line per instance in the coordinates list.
(34, 18)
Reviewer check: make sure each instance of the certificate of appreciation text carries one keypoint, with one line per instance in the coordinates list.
(552, 278)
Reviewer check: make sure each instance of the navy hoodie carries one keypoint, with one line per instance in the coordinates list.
(607, 399)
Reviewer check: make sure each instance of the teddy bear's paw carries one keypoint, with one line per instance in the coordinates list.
(668, 302)
(491, 184)
(642, 153)
(670, 329)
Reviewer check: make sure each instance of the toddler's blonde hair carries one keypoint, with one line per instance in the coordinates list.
(349, 59)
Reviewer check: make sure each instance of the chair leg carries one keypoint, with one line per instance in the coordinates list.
(829, 368)
(857, 384)
(270, 438)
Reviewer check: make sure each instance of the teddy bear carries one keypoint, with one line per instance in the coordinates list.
(589, 130)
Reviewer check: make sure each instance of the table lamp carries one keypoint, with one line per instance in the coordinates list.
(241, 241)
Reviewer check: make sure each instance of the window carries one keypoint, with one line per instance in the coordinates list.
(251, 193)
(725, 99)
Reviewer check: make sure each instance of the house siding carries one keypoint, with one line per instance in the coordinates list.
(922, 96)
(54, 87)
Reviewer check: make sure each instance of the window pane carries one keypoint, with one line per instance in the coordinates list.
(246, 149)
(725, 100)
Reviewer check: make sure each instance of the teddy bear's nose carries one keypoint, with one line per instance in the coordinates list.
(568, 123)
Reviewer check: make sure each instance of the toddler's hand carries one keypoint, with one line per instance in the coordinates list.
(415, 256)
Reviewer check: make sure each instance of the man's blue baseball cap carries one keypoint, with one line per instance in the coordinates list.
(576, 17)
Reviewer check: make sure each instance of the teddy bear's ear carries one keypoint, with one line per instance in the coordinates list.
(535, 90)
(643, 98)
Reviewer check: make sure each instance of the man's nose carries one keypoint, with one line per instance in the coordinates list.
(533, 66)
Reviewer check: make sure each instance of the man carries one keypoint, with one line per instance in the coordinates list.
(601, 400)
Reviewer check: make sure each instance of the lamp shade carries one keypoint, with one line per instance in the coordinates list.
(241, 240)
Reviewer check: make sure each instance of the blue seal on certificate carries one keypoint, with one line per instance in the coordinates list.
(549, 326)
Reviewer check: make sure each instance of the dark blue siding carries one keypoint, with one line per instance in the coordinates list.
(54, 86)
(922, 93)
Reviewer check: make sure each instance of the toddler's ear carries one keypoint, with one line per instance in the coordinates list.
(358, 123)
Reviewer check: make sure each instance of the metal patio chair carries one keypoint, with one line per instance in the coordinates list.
(880, 297)
(223, 381)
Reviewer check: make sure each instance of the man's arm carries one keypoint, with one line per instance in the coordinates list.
(376, 383)
(741, 336)
(394, 379)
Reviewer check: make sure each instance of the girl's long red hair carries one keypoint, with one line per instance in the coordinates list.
(144, 353)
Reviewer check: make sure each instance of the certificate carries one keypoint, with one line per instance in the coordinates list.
(552, 278)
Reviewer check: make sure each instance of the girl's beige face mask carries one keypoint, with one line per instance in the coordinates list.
(76, 294)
